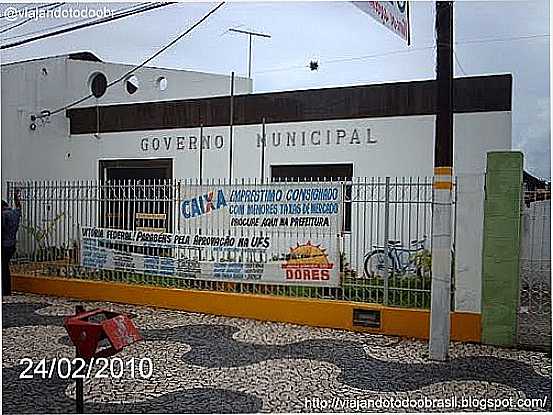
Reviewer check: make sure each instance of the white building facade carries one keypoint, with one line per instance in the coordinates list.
(350, 132)
(30, 87)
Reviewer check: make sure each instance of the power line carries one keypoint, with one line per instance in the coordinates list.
(55, 6)
(159, 52)
(360, 58)
(26, 7)
(119, 15)
(504, 39)
(89, 24)
(354, 58)
(123, 9)
(395, 52)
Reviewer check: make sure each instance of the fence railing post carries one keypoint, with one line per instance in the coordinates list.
(386, 238)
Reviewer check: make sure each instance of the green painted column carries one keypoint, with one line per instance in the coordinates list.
(501, 247)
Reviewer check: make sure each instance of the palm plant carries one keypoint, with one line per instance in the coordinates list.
(42, 237)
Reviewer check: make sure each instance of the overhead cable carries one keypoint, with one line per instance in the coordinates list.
(134, 69)
(123, 9)
(87, 24)
(6, 29)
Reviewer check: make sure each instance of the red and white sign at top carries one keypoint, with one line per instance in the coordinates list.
(392, 14)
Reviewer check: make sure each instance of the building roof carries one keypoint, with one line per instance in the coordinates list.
(78, 56)
(532, 182)
(91, 57)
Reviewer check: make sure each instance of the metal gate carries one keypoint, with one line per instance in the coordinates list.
(534, 309)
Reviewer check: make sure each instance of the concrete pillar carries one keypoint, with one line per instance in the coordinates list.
(501, 247)
(441, 263)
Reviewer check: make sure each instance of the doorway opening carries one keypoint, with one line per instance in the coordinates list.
(137, 194)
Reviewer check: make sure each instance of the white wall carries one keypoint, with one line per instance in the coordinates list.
(475, 135)
(180, 84)
(403, 147)
(49, 151)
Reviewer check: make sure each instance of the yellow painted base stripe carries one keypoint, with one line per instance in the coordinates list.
(311, 312)
(443, 171)
(443, 185)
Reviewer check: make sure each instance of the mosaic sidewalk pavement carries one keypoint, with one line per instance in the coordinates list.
(210, 364)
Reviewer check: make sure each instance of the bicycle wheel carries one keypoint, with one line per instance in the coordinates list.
(375, 265)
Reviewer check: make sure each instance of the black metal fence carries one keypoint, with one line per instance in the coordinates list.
(534, 308)
(382, 237)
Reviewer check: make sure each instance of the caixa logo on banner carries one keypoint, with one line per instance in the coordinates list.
(203, 204)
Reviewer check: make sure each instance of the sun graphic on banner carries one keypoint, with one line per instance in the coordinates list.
(308, 255)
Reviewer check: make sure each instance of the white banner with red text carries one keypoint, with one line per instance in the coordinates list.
(305, 261)
(392, 14)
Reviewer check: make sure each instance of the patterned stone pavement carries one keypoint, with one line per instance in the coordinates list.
(210, 364)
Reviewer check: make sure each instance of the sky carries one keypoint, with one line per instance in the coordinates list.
(491, 37)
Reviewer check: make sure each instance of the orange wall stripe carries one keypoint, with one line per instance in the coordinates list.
(443, 185)
(443, 171)
(311, 312)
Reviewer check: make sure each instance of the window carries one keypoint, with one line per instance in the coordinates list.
(161, 83)
(98, 84)
(132, 84)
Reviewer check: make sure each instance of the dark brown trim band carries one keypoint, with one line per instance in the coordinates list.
(473, 94)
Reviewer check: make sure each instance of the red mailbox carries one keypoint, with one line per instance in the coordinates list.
(88, 330)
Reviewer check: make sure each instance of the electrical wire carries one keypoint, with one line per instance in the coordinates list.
(26, 7)
(55, 6)
(504, 39)
(361, 58)
(351, 59)
(395, 52)
(88, 24)
(134, 69)
(121, 10)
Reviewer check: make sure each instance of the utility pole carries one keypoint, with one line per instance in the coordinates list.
(250, 34)
(442, 186)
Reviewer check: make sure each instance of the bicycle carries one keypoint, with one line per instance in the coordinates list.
(402, 260)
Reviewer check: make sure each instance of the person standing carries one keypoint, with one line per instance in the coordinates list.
(10, 225)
